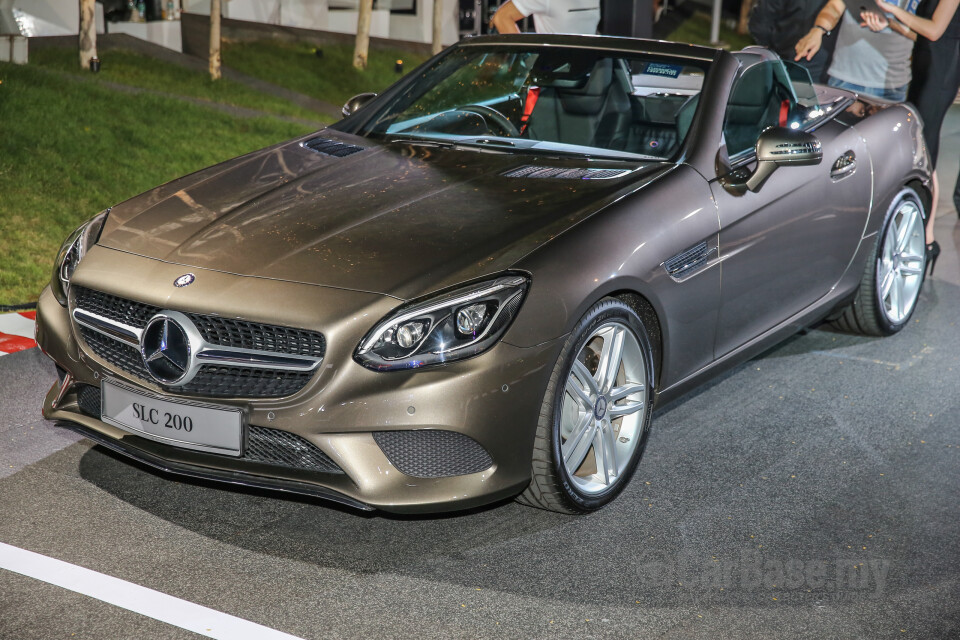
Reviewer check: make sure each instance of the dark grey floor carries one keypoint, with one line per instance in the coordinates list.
(811, 493)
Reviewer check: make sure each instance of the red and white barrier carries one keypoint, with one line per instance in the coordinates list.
(16, 331)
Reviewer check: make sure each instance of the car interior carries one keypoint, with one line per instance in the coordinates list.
(620, 104)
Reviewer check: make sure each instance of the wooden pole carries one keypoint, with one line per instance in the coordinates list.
(437, 26)
(215, 40)
(363, 34)
(745, 7)
(88, 32)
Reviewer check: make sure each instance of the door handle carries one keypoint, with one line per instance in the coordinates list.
(844, 166)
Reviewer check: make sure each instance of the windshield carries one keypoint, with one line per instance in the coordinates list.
(561, 99)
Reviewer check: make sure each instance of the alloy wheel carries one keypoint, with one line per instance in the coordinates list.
(901, 263)
(603, 408)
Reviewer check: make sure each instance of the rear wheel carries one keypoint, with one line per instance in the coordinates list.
(595, 415)
(891, 281)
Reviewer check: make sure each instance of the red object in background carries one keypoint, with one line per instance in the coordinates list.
(12, 344)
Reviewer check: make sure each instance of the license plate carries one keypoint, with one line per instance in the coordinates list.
(182, 424)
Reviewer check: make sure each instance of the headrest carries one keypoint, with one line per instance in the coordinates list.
(751, 97)
(754, 87)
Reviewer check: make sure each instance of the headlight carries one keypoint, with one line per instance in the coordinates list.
(450, 327)
(72, 252)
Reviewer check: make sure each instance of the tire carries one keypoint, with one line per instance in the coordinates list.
(892, 278)
(587, 413)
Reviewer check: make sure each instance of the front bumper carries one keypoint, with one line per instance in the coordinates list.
(494, 399)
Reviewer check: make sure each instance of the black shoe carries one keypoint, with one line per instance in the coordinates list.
(933, 252)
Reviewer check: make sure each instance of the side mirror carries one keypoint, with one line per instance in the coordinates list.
(355, 103)
(778, 147)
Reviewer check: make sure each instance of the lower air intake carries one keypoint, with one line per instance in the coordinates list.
(264, 445)
(272, 446)
(88, 397)
(430, 453)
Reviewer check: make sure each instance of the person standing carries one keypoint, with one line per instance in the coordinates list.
(873, 63)
(936, 80)
(549, 16)
(936, 72)
(779, 24)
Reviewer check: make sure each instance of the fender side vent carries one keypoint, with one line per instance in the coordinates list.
(688, 261)
(559, 173)
(331, 147)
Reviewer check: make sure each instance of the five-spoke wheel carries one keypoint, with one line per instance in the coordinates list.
(891, 281)
(596, 412)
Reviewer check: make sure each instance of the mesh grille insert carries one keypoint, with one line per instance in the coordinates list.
(134, 314)
(227, 382)
(228, 332)
(272, 446)
(88, 397)
(431, 453)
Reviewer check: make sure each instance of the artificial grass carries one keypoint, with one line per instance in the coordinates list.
(137, 70)
(72, 147)
(332, 78)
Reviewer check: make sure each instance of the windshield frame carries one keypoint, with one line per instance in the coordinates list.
(360, 123)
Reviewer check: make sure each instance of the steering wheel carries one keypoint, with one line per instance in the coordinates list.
(492, 114)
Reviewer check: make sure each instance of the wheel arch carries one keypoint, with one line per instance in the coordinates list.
(925, 192)
(651, 321)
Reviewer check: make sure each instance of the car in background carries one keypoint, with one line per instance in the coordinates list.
(480, 284)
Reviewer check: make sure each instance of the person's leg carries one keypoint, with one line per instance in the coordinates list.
(956, 195)
(933, 209)
(817, 66)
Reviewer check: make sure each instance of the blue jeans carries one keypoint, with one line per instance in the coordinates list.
(897, 94)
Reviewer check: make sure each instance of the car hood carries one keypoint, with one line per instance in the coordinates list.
(401, 219)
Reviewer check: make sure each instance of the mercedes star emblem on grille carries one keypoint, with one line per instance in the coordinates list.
(166, 349)
(184, 280)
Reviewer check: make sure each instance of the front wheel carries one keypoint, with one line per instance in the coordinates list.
(595, 415)
(891, 281)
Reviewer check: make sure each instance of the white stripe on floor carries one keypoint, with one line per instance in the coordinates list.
(133, 597)
(16, 325)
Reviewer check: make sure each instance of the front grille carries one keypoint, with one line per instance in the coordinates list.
(264, 445)
(228, 332)
(134, 314)
(117, 353)
(432, 453)
(227, 382)
(272, 446)
(211, 381)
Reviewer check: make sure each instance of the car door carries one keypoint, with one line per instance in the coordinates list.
(783, 247)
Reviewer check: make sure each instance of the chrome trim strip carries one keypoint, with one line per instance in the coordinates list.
(256, 359)
(110, 328)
